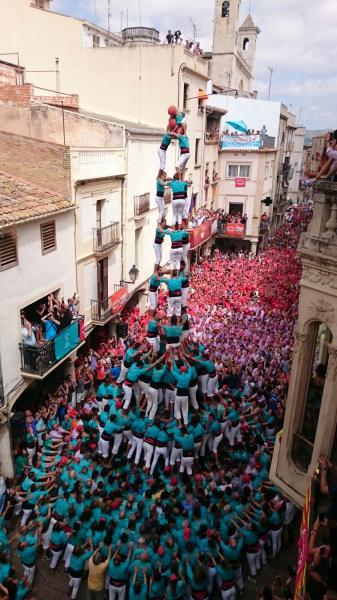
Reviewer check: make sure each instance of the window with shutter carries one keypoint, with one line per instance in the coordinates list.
(8, 251)
(48, 237)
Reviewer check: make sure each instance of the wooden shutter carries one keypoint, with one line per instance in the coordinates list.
(8, 250)
(48, 237)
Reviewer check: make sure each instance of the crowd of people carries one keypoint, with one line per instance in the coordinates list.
(327, 161)
(146, 472)
(42, 321)
(151, 472)
(175, 37)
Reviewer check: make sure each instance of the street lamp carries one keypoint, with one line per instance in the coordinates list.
(133, 274)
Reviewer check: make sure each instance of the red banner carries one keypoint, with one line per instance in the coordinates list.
(240, 182)
(235, 229)
(200, 234)
(303, 547)
(118, 300)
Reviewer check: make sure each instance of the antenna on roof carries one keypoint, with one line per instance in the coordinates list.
(250, 7)
(140, 12)
(109, 15)
(122, 15)
(194, 29)
(95, 10)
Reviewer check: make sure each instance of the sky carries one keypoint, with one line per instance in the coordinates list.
(296, 40)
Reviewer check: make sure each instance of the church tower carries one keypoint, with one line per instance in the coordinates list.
(233, 56)
(247, 38)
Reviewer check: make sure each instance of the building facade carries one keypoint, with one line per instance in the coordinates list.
(311, 411)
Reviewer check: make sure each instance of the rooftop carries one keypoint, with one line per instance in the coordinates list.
(22, 200)
(249, 24)
(130, 126)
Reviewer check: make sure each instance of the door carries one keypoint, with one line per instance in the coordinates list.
(102, 285)
(99, 206)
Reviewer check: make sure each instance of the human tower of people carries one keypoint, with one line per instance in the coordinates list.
(152, 475)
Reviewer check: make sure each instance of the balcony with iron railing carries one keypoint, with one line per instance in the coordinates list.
(142, 205)
(105, 238)
(103, 310)
(39, 360)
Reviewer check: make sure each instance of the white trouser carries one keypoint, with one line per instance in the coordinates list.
(31, 453)
(127, 436)
(186, 248)
(158, 251)
(118, 438)
(45, 540)
(55, 558)
(177, 210)
(103, 447)
(29, 572)
(182, 161)
(152, 405)
(117, 593)
(276, 540)
(187, 207)
(127, 396)
(174, 306)
(123, 373)
(197, 447)
(181, 408)
(26, 514)
(67, 555)
(148, 452)
(184, 334)
(205, 439)
(144, 387)
(79, 397)
(263, 552)
(74, 583)
(228, 594)
(176, 454)
(186, 464)
(154, 341)
(137, 392)
(216, 439)
(211, 385)
(232, 433)
(238, 578)
(203, 379)
(153, 300)
(73, 399)
(137, 444)
(162, 159)
(176, 255)
(169, 397)
(184, 295)
(192, 395)
(161, 207)
(157, 453)
(211, 577)
(254, 562)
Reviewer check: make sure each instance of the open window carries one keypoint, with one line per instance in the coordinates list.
(245, 43)
(225, 9)
(319, 338)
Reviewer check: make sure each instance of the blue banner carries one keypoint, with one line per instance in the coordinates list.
(240, 142)
(66, 340)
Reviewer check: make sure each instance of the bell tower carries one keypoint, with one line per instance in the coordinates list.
(226, 20)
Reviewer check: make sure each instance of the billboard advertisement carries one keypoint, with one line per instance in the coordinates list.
(249, 124)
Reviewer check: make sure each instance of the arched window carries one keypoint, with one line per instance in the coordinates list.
(225, 9)
(245, 43)
(304, 439)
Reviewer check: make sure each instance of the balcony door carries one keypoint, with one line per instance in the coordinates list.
(102, 284)
(99, 209)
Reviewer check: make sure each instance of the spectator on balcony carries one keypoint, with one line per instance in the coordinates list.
(189, 45)
(170, 37)
(244, 219)
(177, 36)
(51, 326)
(197, 50)
(28, 333)
(66, 316)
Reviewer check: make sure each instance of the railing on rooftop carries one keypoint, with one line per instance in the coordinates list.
(105, 238)
(38, 360)
(146, 34)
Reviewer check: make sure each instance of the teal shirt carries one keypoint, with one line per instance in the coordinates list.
(166, 140)
(77, 563)
(152, 326)
(173, 331)
(178, 187)
(183, 141)
(155, 283)
(174, 284)
(176, 235)
(186, 442)
(118, 572)
(28, 555)
(183, 379)
(135, 372)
